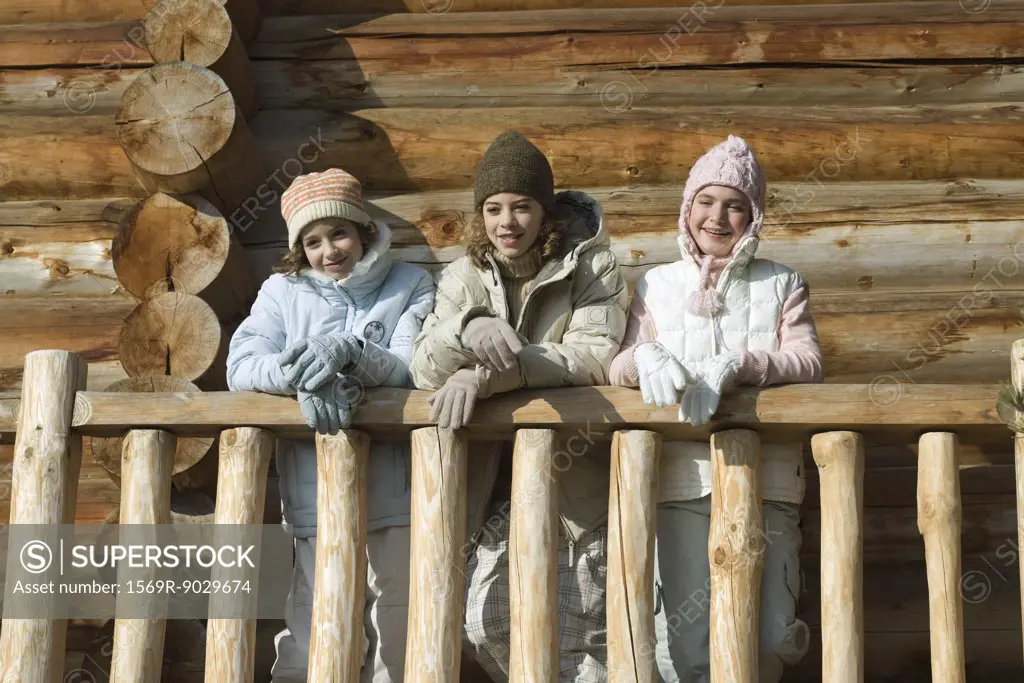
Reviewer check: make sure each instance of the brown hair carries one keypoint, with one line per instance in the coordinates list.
(295, 260)
(478, 245)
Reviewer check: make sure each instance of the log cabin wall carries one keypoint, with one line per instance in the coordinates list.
(890, 134)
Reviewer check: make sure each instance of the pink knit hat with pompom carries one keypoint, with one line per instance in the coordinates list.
(731, 163)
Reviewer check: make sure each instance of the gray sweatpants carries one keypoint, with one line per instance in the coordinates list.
(683, 591)
(386, 614)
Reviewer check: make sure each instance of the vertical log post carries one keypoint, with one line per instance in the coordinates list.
(146, 463)
(533, 558)
(339, 584)
(1017, 378)
(437, 578)
(44, 490)
(632, 505)
(736, 552)
(840, 460)
(939, 521)
(245, 455)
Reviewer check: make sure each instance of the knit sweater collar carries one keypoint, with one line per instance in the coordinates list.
(520, 267)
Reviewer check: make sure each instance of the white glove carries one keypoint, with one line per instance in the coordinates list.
(700, 402)
(662, 377)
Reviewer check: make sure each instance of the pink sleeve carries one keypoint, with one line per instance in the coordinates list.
(799, 358)
(639, 328)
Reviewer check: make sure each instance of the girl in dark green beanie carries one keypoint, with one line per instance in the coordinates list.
(536, 302)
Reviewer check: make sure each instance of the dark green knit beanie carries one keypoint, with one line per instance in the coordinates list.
(513, 164)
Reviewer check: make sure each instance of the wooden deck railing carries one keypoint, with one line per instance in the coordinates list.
(54, 412)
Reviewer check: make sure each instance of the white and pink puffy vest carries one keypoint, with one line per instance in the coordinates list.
(753, 293)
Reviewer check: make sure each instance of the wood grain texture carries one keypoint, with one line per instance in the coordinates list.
(433, 149)
(47, 461)
(245, 13)
(736, 554)
(350, 84)
(147, 460)
(107, 452)
(88, 326)
(336, 640)
(632, 506)
(716, 33)
(106, 45)
(441, 7)
(782, 410)
(438, 560)
(200, 32)
(63, 91)
(175, 334)
(183, 244)
(71, 260)
(840, 460)
(62, 157)
(245, 455)
(182, 131)
(55, 212)
(533, 558)
(940, 521)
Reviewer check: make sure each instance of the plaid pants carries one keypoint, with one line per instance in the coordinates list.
(582, 573)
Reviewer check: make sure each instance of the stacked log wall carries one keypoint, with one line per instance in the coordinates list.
(890, 134)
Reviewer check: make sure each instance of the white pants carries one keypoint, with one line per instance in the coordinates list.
(386, 615)
(682, 620)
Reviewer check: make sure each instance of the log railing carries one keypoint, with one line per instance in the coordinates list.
(54, 413)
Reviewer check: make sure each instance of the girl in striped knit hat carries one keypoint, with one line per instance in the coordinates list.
(715, 319)
(338, 317)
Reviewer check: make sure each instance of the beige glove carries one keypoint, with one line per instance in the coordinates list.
(452, 404)
(493, 342)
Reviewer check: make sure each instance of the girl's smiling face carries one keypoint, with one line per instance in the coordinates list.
(513, 222)
(719, 215)
(332, 246)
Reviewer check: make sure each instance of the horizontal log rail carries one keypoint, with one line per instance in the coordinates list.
(882, 408)
(54, 413)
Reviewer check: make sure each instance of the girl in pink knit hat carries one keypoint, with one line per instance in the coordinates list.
(338, 317)
(740, 320)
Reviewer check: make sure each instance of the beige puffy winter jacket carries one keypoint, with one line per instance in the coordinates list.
(574, 319)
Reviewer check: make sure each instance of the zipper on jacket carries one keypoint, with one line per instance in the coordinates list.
(562, 275)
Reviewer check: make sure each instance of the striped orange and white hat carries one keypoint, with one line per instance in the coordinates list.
(330, 194)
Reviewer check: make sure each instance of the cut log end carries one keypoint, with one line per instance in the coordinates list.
(189, 451)
(182, 244)
(173, 118)
(170, 244)
(172, 334)
(197, 31)
(200, 32)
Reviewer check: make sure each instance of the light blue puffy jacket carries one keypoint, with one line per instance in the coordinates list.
(383, 304)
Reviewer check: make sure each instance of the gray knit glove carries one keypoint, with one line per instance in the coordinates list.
(493, 342)
(313, 363)
(452, 405)
(328, 409)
